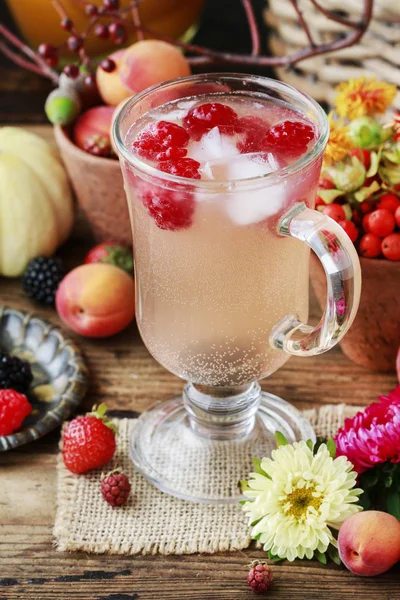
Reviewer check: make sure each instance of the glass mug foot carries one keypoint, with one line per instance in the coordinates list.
(198, 452)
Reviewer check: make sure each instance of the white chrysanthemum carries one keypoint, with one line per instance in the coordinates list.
(304, 496)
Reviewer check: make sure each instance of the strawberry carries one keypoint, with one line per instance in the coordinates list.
(113, 253)
(89, 441)
(14, 407)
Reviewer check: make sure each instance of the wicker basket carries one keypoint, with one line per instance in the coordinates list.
(378, 52)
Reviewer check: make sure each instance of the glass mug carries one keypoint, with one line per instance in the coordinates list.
(222, 301)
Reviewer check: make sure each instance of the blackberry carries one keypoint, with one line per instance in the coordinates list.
(42, 278)
(15, 374)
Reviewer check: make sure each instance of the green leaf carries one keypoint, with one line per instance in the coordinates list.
(258, 468)
(334, 554)
(254, 523)
(393, 504)
(310, 444)
(369, 479)
(365, 192)
(388, 480)
(390, 173)
(330, 444)
(242, 502)
(257, 537)
(319, 441)
(280, 439)
(365, 501)
(321, 557)
(244, 486)
(375, 158)
(347, 211)
(328, 196)
(274, 557)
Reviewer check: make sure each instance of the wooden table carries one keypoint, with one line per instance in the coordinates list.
(30, 568)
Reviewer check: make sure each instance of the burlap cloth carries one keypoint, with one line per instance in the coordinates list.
(153, 522)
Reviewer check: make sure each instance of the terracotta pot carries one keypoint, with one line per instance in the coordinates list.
(99, 189)
(374, 338)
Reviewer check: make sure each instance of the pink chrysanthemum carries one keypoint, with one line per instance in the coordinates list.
(372, 436)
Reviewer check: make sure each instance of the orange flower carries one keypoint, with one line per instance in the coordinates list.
(363, 96)
(339, 143)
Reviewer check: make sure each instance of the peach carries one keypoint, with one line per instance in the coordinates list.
(149, 62)
(110, 86)
(369, 542)
(96, 300)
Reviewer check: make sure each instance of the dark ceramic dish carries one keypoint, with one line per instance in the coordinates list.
(60, 375)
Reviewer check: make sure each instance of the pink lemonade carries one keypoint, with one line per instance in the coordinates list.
(213, 277)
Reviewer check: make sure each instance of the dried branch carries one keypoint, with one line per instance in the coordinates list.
(136, 21)
(254, 33)
(36, 61)
(303, 22)
(204, 56)
(332, 16)
(19, 60)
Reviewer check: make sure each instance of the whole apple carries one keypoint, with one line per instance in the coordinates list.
(369, 542)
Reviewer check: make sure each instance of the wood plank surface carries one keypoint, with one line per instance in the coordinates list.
(125, 376)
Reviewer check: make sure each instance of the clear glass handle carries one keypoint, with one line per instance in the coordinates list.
(340, 261)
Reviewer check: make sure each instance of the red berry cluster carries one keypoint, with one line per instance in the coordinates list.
(260, 578)
(115, 30)
(374, 224)
(165, 144)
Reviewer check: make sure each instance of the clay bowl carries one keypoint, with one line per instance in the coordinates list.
(99, 189)
(374, 338)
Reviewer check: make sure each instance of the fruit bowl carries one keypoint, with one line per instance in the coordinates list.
(60, 375)
(99, 189)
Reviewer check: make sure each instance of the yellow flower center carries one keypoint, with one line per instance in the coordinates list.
(299, 501)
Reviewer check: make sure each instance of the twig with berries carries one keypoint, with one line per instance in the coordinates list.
(47, 55)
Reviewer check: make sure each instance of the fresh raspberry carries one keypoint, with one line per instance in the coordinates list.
(89, 441)
(260, 577)
(115, 488)
(160, 137)
(288, 139)
(184, 167)
(14, 407)
(171, 210)
(201, 119)
(253, 130)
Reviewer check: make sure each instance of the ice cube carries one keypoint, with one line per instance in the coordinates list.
(242, 166)
(255, 205)
(213, 145)
(186, 104)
